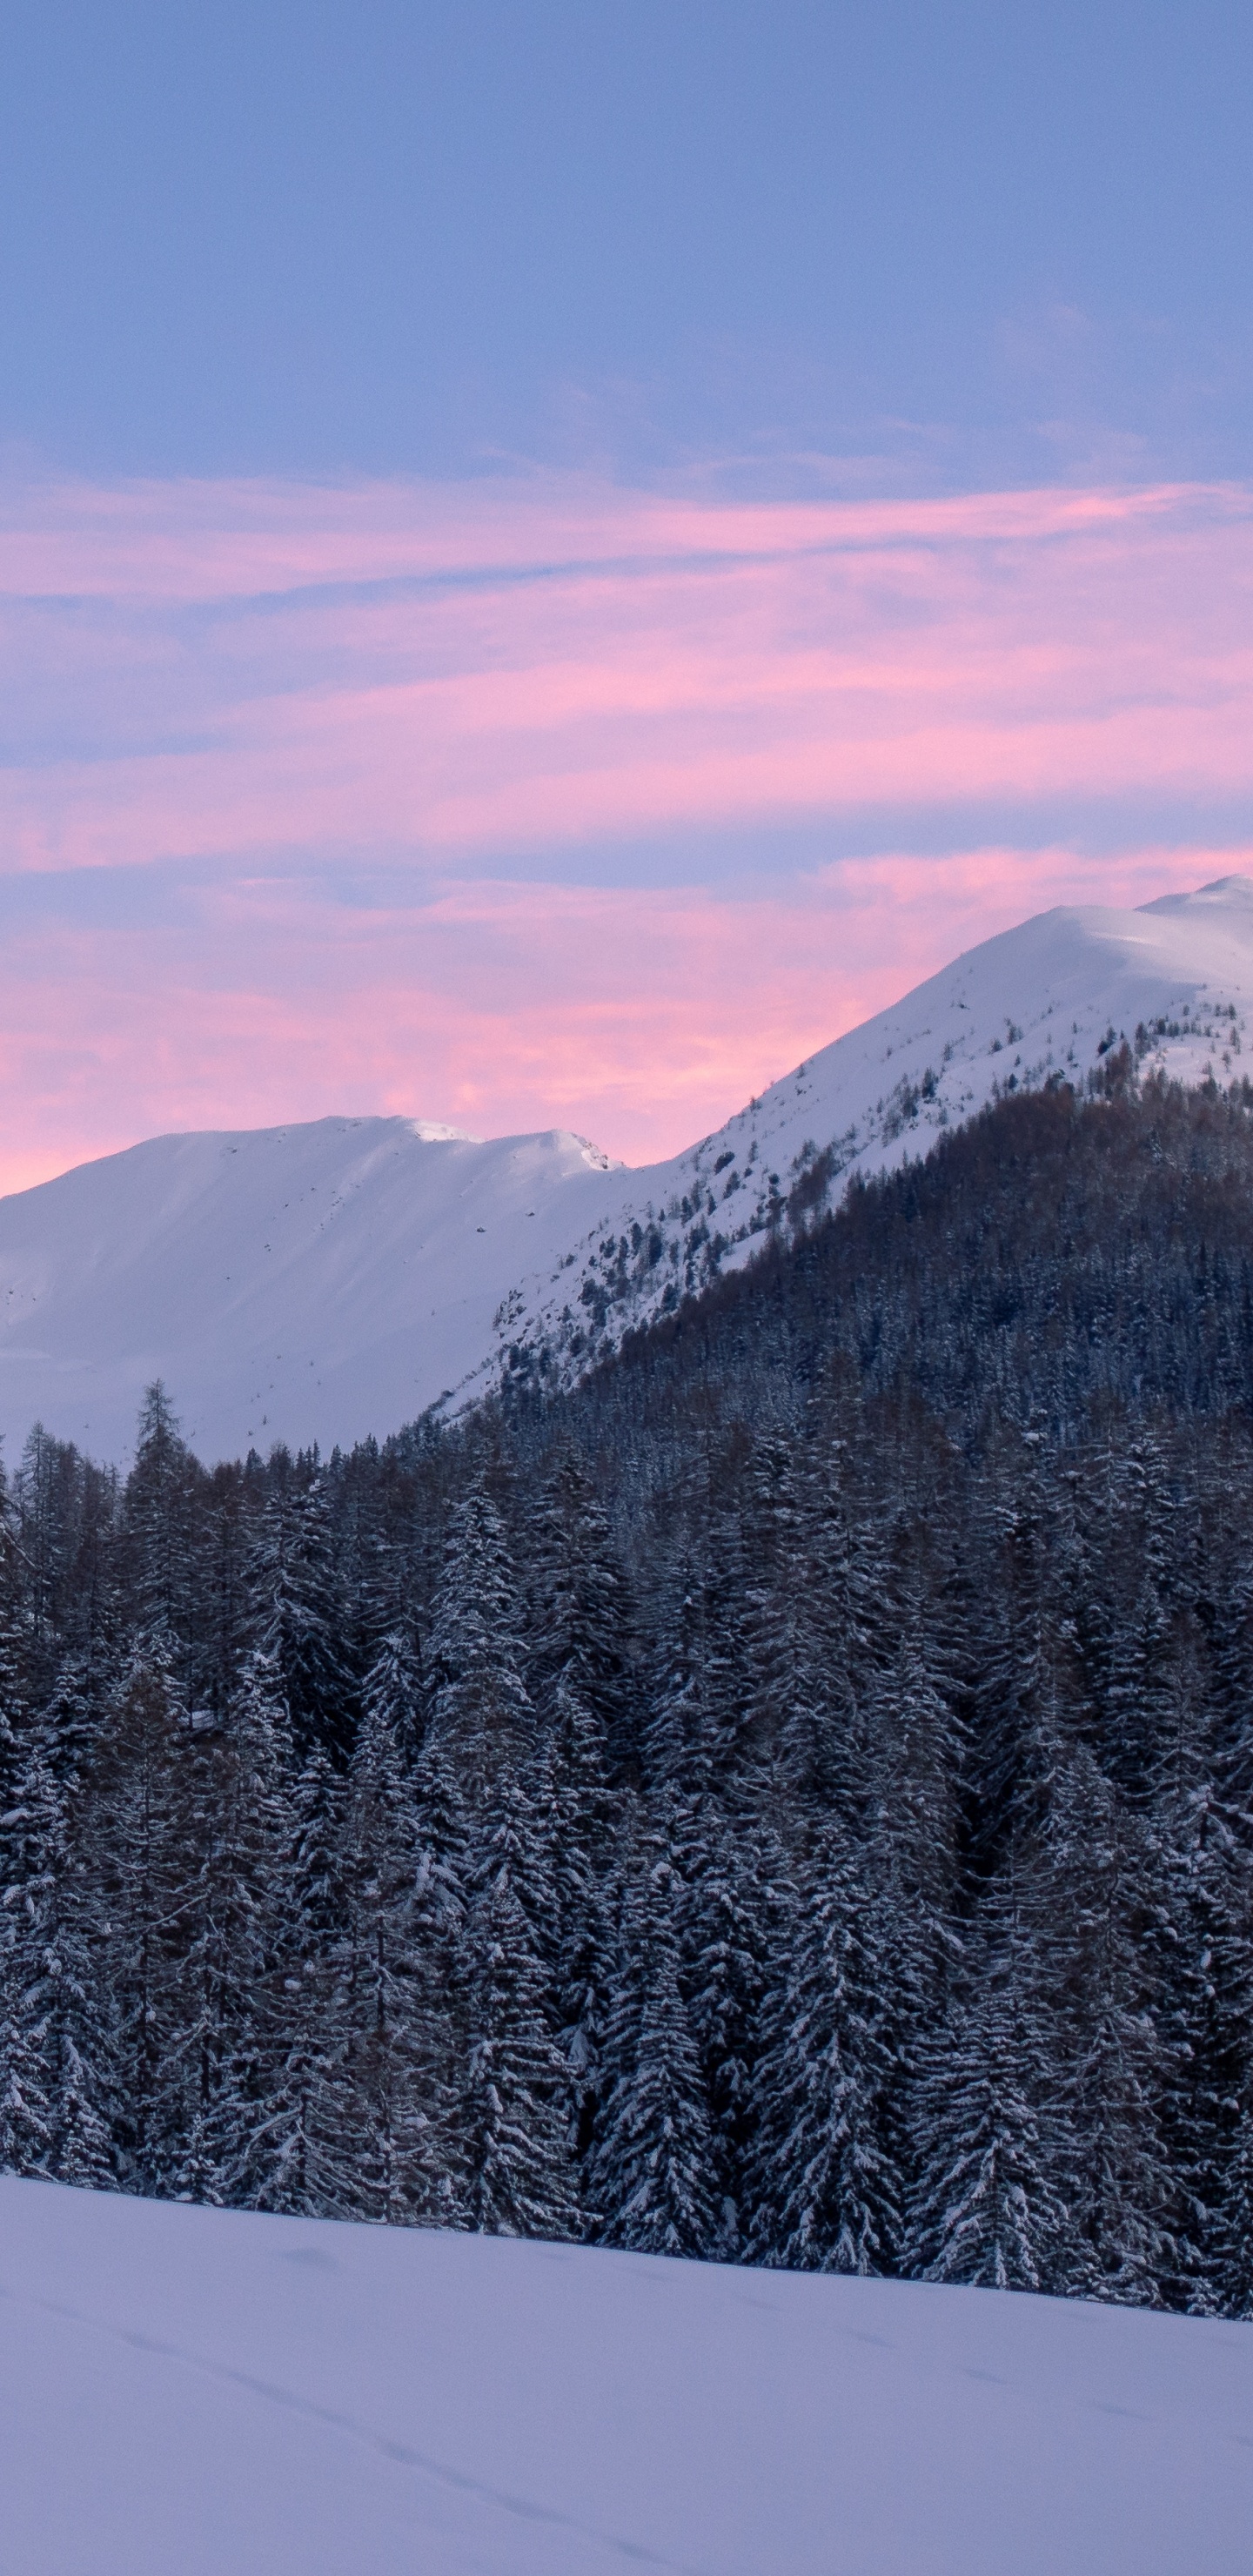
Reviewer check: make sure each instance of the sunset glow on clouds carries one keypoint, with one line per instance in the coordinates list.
(536, 803)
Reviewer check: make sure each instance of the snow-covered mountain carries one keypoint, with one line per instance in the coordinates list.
(301, 1283)
(208, 2391)
(326, 1281)
(1052, 996)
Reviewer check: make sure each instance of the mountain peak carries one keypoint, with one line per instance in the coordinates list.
(336, 1278)
(1233, 891)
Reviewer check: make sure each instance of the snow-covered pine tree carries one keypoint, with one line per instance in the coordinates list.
(696, 1688)
(132, 1872)
(375, 1585)
(442, 1871)
(1203, 1936)
(234, 1832)
(911, 1779)
(512, 1841)
(26, 1895)
(582, 1613)
(300, 1625)
(1025, 1690)
(42, 1512)
(1099, 1897)
(781, 1645)
(480, 1714)
(516, 2175)
(987, 2208)
(1232, 2278)
(1231, 1683)
(386, 2005)
(577, 1810)
(25, 2111)
(846, 1626)
(652, 2176)
(392, 1694)
(70, 1718)
(52, 2006)
(160, 1509)
(1144, 1684)
(827, 2190)
(303, 2148)
(12, 1692)
(736, 1903)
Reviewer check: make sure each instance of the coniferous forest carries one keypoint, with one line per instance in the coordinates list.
(789, 1800)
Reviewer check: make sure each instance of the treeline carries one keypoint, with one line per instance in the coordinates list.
(789, 1801)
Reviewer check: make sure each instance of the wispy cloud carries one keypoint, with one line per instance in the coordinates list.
(253, 705)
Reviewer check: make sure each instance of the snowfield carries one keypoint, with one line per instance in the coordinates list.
(299, 1283)
(329, 1281)
(194, 2392)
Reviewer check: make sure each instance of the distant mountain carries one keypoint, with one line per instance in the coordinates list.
(295, 1283)
(326, 1281)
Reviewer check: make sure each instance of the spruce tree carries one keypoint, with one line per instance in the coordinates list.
(299, 1624)
(735, 1907)
(1203, 1936)
(652, 2170)
(303, 2159)
(234, 1836)
(161, 1497)
(828, 2191)
(442, 1866)
(133, 1888)
(1098, 1902)
(480, 1711)
(516, 2173)
(392, 1695)
(13, 1706)
(577, 1810)
(987, 2208)
(583, 1615)
(696, 1692)
(385, 2004)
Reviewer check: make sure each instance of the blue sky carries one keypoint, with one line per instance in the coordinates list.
(944, 245)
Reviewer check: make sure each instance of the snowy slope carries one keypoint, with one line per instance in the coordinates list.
(323, 1282)
(1045, 998)
(225, 2395)
(297, 1283)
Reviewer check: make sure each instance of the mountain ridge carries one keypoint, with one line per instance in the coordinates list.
(321, 1281)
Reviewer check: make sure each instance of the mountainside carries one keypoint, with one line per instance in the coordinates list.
(200, 2390)
(330, 1281)
(1054, 996)
(290, 1283)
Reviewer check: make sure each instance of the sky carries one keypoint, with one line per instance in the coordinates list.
(552, 559)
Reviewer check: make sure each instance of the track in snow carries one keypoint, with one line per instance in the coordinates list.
(232, 2395)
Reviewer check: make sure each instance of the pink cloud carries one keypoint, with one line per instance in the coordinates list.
(188, 540)
(772, 664)
(285, 685)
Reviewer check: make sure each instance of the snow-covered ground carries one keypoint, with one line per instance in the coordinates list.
(189, 2392)
(323, 1282)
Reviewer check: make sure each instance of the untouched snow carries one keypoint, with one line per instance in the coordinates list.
(328, 1281)
(294, 1283)
(198, 2391)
